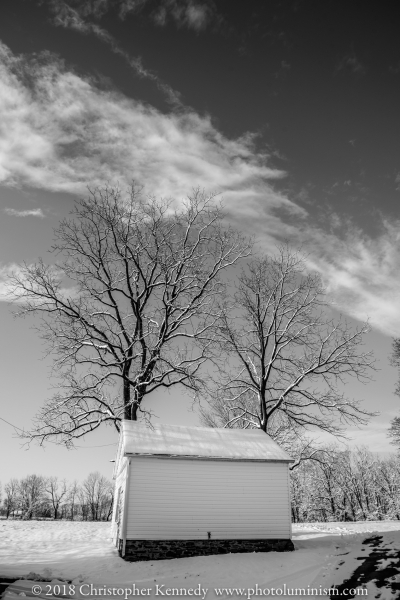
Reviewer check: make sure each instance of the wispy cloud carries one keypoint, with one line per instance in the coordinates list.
(126, 7)
(60, 132)
(185, 13)
(67, 289)
(34, 212)
(70, 17)
(63, 133)
(351, 63)
(191, 14)
(361, 273)
(5, 272)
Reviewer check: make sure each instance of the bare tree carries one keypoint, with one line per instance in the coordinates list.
(284, 361)
(11, 491)
(135, 289)
(108, 501)
(83, 504)
(387, 491)
(71, 498)
(32, 496)
(98, 497)
(56, 491)
(394, 430)
(349, 485)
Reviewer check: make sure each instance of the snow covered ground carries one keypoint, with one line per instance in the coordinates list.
(326, 554)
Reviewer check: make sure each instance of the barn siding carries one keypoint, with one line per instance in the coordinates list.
(119, 498)
(173, 499)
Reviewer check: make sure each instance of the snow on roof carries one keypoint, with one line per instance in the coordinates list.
(200, 442)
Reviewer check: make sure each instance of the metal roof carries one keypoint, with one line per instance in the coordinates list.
(198, 442)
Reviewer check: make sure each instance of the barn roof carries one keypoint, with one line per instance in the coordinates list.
(199, 442)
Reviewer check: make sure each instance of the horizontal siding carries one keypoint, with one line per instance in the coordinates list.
(184, 499)
(119, 497)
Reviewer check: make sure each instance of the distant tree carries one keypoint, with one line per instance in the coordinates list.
(98, 495)
(124, 310)
(84, 507)
(32, 495)
(281, 359)
(56, 491)
(11, 492)
(302, 495)
(394, 430)
(72, 498)
(108, 501)
(387, 490)
(349, 485)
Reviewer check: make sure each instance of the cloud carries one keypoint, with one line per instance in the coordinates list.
(5, 272)
(361, 273)
(186, 13)
(35, 212)
(192, 14)
(84, 9)
(67, 288)
(351, 63)
(74, 18)
(60, 132)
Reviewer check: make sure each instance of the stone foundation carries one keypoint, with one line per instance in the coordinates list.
(137, 550)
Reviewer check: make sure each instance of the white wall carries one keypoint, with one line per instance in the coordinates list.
(186, 498)
(119, 497)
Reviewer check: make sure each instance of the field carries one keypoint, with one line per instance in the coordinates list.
(367, 553)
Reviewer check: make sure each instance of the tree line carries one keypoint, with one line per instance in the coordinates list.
(35, 496)
(346, 485)
(337, 485)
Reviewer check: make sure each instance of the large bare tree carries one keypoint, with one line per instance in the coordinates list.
(283, 359)
(134, 290)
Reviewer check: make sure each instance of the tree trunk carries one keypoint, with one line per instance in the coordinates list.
(127, 401)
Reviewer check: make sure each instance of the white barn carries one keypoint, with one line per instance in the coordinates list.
(187, 491)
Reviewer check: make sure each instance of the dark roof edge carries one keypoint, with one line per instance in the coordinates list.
(200, 457)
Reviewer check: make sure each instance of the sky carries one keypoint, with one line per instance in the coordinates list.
(287, 109)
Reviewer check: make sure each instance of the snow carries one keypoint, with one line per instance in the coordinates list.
(326, 554)
(206, 442)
